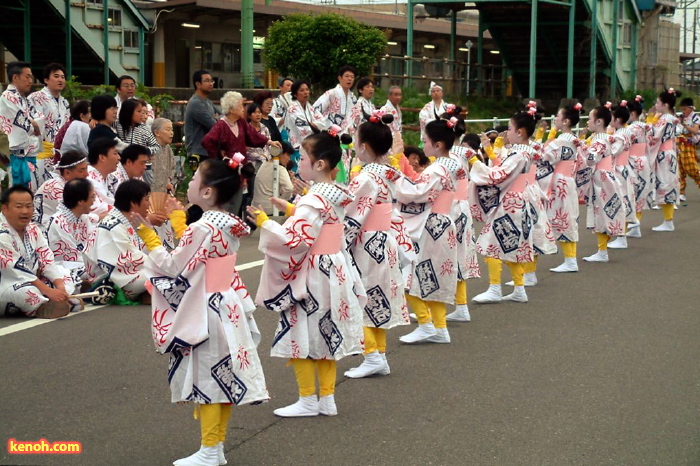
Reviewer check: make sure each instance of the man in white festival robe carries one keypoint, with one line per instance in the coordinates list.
(337, 103)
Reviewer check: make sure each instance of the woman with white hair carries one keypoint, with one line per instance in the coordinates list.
(163, 160)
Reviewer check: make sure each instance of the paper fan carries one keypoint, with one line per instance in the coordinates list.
(158, 201)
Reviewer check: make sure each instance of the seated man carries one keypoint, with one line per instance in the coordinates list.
(71, 226)
(49, 195)
(114, 248)
(31, 283)
(103, 158)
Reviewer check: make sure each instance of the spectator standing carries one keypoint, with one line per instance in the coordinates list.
(200, 115)
(163, 160)
(264, 100)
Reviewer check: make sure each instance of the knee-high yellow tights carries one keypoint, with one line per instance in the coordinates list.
(667, 209)
(495, 267)
(428, 311)
(603, 241)
(530, 267)
(213, 420)
(305, 372)
(461, 295)
(569, 249)
(375, 340)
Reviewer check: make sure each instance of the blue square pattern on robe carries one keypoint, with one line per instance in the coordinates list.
(583, 176)
(412, 208)
(17, 286)
(427, 279)
(351, 227)
(353, 262)
(309, 305)
(674, 163)
(282, 328)
(436, 225)
(612, 206)
(214, 302)
(109, 222)
(526, 223)
(543, 170)
(283, 301)
(671, 197)
(300, 123)
(628, 204)
(231, 385)
(38, 208)
(178, 344)
(330, 333)
(21, 264)
(507, 233)
(461, 226)
(172, 289)
(198, 396)
(567, 153)
(640, 185)
(324, 264)
(22, 121)
(378, 308)
(375, 246)
(106, 268)
(488, 197)
(12, 310)
(175, 360)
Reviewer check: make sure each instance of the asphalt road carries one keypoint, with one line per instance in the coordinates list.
(600, 367)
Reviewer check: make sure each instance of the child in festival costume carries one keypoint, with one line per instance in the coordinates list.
(641, 173)
(202, 312)
(688, 132)
(620, 149)
(426, 206)
(309, 280)
(371, 241)
(468, 262)
(606, 211)
(663, 148)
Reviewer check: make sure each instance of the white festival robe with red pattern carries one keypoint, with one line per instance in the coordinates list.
(506, 207)
(542, 233)
(68, 237)
(115, 249)
(468, 260)
(376, 252)
(606, 210)
(46, 200)
(207, 328)
(642, 172)
(620, 148)
(316, 295)
(22, 261)
(56, 112)
(668, 185)
(298, 121)
(434, 271)
(559, 186)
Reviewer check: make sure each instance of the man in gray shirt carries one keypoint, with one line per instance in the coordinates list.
(199, 114)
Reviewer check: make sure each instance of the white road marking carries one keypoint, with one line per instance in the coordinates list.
(36, 322)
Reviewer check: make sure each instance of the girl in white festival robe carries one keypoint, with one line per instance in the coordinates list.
(606, 210)
(642, 174)
(309, 280)
(500, 198)
(203, 314)
(426, 206)
(372, 243)
(621, 154)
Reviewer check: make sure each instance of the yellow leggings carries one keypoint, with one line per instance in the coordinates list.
(530, 267)
(639, 216)
(667, 209)
(602, 241)
(305, 371)
(428, 311)
(569, 249)
(461, 295)
(375, 340)
(516, 272)
(495, 267)
(213, 419)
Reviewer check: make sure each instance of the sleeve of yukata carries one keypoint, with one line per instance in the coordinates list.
(322, 103)
(365, 192)
(47, 265)
(8, 113)
(424, 189)
(483, 175)
(191, 252)
(595, 153)
(290, 241)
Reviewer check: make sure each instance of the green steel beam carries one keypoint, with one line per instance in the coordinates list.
(533, 50)
(613, 62)
(594, 48)
(551, 70)
(480, 54)
(541, 23)
(105, 38)
(69, 42)
(409, 42)
(142, 55)
(247, 71)
(556, 2)
(570, 52)
(27, 34)
(453, 34)
(633, 73)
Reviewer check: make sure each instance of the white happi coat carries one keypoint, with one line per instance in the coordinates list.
(606, 210)
(428, 113)
(376, 253)
(509, 215)
(298, 122)
(208, 330)
(316, 295)
(557, 182)
(642, 174)
(68, 237)
(56, 112)
(357, 115)
(104, 198)
(279, 109)
(663, 148)
(542, 234)
(46, 200)
(335, 105)
(434, 271)
(620, 148)
(468, 261)
(22, 261)
(116, 250)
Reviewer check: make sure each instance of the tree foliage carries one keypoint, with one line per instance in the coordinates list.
(315, 47)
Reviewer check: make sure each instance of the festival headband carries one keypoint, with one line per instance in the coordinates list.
(608, 105)
(638, 98)
(71, 165)
(377, 116)
(578, 107)
(623, 103)
(235, 161)
(433, 85)
(334, 130)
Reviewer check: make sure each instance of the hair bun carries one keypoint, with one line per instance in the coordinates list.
(387, 118)
(345, 139)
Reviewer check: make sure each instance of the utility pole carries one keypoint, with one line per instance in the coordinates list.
(247, 73)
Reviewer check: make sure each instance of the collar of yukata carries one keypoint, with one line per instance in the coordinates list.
(448, 163)
(334, 193)
(600, 136)
(66, 212)
(522, 148)
(379, 169)
(119, 215)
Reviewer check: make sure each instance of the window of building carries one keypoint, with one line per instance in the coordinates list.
(115, 17)
(621, 10)
(653, 53)
(627, 34)
(95, 2)
(217, 56)
(131, 39)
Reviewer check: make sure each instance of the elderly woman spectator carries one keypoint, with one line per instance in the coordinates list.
(163, 160)
(257, 155)
(264, 99)
(74, 134)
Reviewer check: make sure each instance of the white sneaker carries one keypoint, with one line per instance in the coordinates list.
(492, 295)
(618, 243)
(373, 364)
(518, 295)
(222, 454)
(326, 406)
(666, 226)
(569, 265)
(656, 207)
(206, 456)
(387, 369)
(460, 314)
(530, 279)
(634, 232)
(683, 198)
(441, 336)
(413, 316)
(675, 206)
(305, 406)
(420, 334)
(600, 256)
